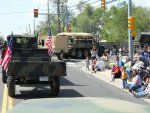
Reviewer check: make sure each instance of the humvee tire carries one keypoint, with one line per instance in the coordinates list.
(4, 77)
(11, 86)
(54, 86)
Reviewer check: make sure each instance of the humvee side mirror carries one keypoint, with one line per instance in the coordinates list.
(43, 44)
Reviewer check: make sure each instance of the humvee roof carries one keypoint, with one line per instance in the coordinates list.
(75, 34)
(20, 41)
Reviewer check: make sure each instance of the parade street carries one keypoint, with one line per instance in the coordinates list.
(77, 83)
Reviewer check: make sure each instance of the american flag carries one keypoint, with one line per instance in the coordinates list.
(7, 55)
(49, 44)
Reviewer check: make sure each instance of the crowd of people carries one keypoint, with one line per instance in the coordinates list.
(135, 74)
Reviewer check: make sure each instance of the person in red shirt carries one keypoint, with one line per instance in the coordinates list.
(115, 73)
(93, 64)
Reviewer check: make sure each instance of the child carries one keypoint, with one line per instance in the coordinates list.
(87, 63)
(124, 77)
(93, 64)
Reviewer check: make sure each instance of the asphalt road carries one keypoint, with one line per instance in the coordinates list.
(75, 84)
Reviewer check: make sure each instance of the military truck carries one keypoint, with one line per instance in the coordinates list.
(141, 39)
(76, 45)
(31, 63)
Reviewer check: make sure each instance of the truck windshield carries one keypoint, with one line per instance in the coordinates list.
(144, 39)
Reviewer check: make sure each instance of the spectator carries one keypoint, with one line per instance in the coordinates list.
(87, 63)
(100, 65)
(136, 82)
(138, 64)
(94, 52)
(145, 53)
(119, 62)
(105, 59)
(93, 64)
(124, 77)
(127, 65)
(115, 73)
(143, 93)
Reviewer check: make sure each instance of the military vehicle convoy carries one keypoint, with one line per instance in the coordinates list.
(31, 63)
(76, 45)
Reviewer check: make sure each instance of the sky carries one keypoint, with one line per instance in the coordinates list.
(17, 15)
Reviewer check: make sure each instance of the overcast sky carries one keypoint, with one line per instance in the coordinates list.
(17, 15)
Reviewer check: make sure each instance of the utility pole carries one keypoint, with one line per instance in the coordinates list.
(49, 29)
(58, 11)
(34, 26)
(29, 29)
(66, 19)
(129, 32)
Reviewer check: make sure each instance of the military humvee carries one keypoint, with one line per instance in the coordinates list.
(30, 63)
(77, 45)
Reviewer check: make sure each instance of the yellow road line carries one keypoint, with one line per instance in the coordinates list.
(10, 103)
(5, 95)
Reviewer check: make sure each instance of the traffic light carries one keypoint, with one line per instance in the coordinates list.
(131, 23)
(36, 13)
(134, 34)
(69, 28)
(103, 4)
(64, 29)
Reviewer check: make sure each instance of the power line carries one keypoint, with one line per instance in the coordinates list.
(21, 12)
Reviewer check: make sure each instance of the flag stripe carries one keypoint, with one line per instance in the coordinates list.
(49, 44)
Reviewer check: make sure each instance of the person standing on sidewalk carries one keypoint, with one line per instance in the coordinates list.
(87, 63)
(124, 77)
(94, 64)
(127, 65)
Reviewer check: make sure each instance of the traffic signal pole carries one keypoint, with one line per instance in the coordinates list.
(129, 32)
(66, 19)
(49, 29)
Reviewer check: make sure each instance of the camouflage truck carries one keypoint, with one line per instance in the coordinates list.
(76, 45)
(31, 63)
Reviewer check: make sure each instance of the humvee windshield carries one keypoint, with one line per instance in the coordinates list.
(23, 41)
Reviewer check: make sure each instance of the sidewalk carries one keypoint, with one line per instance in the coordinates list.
(106, 77)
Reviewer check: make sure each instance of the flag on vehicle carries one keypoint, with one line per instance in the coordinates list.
(7, 55)
(49, 44)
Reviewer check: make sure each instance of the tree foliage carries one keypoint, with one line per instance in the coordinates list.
(110, 24)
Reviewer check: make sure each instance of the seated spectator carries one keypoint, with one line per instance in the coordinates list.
(100, 65)
(115, 73)
(143, 93)
(136, 82)
(138, 64)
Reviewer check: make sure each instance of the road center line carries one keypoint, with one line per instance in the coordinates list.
(10, 103)
(5, 95)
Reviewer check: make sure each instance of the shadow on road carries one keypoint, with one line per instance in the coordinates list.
(43, 91)
(65, 82)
